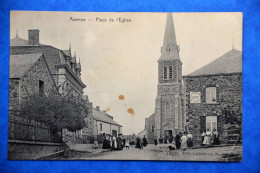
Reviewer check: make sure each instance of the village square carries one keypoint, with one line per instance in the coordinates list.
(197, 116)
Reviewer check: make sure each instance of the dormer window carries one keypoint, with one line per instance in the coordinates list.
(165, 73)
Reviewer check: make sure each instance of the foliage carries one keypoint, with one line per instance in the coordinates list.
(56, 111)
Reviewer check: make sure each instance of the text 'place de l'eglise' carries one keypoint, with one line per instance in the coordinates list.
(50, 117)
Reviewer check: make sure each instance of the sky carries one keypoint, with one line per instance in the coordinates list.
(119, 60)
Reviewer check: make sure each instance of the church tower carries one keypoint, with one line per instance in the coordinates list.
(169, 110)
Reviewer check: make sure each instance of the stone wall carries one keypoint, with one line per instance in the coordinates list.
(29, 82)
(53, 58)
(13, 96)
(22, 150)
(149, 124)
(228, 106)
(176, 65)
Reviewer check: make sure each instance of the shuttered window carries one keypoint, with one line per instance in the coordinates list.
(211, 96)
(170, 72)
(165, 73)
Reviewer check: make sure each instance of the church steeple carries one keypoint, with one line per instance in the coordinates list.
(170, 49)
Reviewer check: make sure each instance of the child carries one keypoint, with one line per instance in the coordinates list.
(127, 144)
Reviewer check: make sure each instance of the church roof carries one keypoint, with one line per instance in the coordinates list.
(19, 64)
(103, 116)
(170, 49)
(17, 41)
(230, 62)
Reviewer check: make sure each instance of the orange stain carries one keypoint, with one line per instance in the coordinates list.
(107, 109)
(121, 97)
(131, 111)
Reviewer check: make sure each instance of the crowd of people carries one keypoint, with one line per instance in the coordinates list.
(140, 143)
(118, 143)
(209, 138)
(181, 141)
(185, 140)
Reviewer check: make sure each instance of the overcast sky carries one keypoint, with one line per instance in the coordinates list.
(121, 58)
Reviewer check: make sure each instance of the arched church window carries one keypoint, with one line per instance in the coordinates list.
(170, 72)
(165, 73)
(167, 109)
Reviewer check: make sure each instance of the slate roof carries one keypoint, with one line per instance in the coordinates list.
(230, 62)
(21, 42)
(101, 116)
(19, 64)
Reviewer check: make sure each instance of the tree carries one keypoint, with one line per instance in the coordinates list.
(55, 110)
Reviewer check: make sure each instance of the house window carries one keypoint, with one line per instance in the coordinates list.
(165, 73)
(170, 72)
(100, 127)
(167, 109)
(211, 123)
(211, 96)
(41, 88)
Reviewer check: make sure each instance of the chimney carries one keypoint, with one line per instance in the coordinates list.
(33, 37)
(98, 108)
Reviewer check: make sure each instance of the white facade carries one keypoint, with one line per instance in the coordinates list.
(101, 127)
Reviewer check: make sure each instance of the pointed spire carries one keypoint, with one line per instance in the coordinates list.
(233, 47)
(170, 49)
(169, 34)
(75, 54)
(70, 46)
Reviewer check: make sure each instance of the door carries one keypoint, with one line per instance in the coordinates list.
(114, 133)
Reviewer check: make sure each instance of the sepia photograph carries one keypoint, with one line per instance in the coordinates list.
(125, 86)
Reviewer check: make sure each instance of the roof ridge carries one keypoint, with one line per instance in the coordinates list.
(233, 53)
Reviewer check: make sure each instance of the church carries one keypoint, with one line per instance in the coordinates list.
(169, 117)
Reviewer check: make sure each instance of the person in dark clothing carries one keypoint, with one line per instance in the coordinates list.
(202, 137)
(137, 145)
(170, 139)
(155, 141)
(177, 140)
(119, 142)
(145, 142)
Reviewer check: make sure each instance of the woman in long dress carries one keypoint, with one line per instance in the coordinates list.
(184, 141)
(207, 139)
(114, 143)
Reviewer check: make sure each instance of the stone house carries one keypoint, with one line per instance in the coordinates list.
(214, 98)
(63, 67)
(105, 123)
(29, 74)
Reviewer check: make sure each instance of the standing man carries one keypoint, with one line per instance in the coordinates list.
(178, 140)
